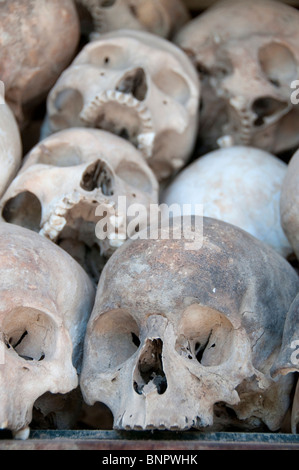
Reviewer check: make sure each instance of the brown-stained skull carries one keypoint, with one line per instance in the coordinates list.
(247, 57)
(38, 38)
(176, 330)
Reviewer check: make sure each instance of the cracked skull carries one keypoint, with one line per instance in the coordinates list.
(10, 146)
(31, 57)
(161, 17)
(45, 302)
(70, 182)
(136, 85)
(247, 58)
(164, 360)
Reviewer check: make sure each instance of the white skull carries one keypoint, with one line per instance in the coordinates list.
(175, 331)
(161, 17)
(247, 57)
(10, 146)
(239, 185)
(66, 178)
(289, 203)
(31, 56)
(136, 85)
(45, 302)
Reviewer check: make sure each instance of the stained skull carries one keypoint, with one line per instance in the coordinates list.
(247, 58)
(175, 331)
(136, 85)
(45, 302)
(163, 17)
(71, 181)
(31, 57)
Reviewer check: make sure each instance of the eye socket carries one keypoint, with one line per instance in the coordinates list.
(115, 339)
(106, 56)
(206, 336)
(32, 334)
(278, 63)
(134, 177)
(173, 85)
(24, 210)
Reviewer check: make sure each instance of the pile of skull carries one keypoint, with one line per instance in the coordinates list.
(124, 100)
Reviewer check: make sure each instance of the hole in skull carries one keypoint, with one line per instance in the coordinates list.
(150, 369)
(278, 63)
(25, 210)
(30, 333)
(265, 107)
(134, 83)
(98, 175)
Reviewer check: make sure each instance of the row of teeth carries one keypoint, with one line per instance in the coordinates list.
(145, 139)
(54, 226)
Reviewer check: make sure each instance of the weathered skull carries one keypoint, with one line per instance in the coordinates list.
(65, 179)
(247, 57)
(31, 57)
(239, 185)
(45, 302)
(289, 203)
(136, 85)
(288, 360)
(10, 146)
(175, 330)
(161, 17)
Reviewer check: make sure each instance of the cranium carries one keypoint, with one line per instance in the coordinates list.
(288, 361)
(45, 302)
(64, 181)
(31, 57)
(10, 145)
(161, 17)
(247, 57)
(240, 185)
(176, 330)
(136, 85)
(289, 203)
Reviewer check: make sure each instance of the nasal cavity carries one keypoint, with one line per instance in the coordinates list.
(150, 374)
(98, 175)
(134, 83)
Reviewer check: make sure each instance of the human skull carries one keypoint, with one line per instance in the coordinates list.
(247, 57)
(175, 330)
(31, 57)
(10, 146)
(161, 17)
(71, 181)
(240, 185)
(136, 85)
(45, 302)
(288, 359)
(289, 203)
